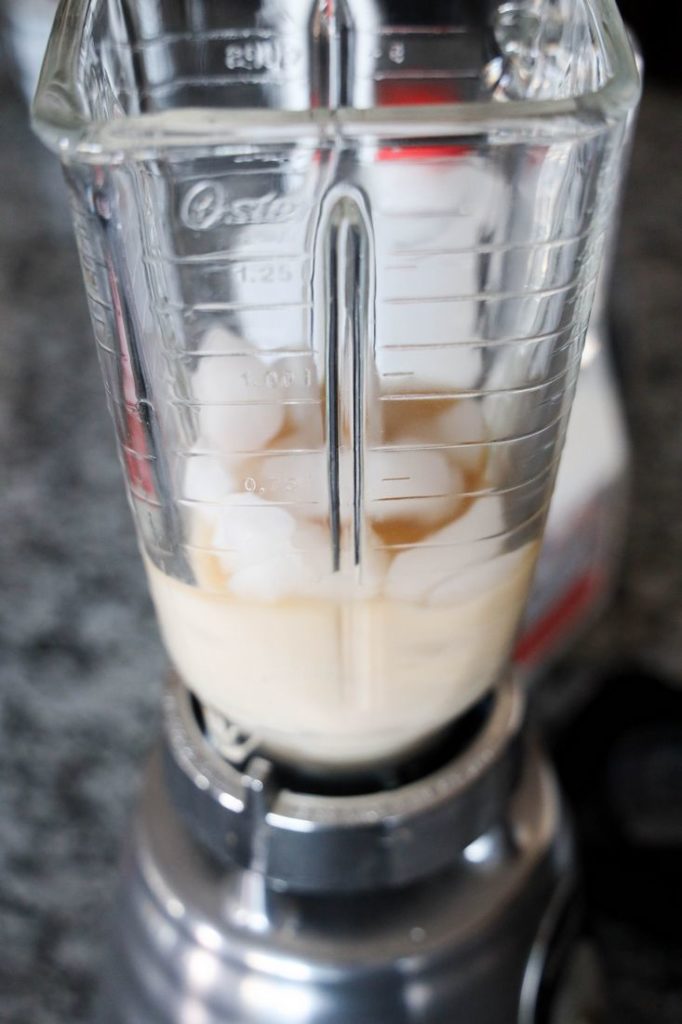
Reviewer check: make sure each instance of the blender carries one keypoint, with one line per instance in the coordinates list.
(340, 260)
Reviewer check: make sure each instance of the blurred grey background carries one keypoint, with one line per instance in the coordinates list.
(81, 666)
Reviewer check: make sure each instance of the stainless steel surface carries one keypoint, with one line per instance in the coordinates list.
(306, 842)
(196, 942)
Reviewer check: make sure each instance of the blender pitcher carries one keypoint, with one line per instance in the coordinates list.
(340, 258)
(340, 268)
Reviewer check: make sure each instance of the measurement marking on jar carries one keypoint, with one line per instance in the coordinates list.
(203, 502)
(225, 307)
(538, 293)
(265, 54)
(478, 391)
(394, 74)
(278, 379)
(236, 452)
(412, 497)
(486, 343)
(510, 247)
(273, 485)
(396, 52)
(304, 352)
(263, 273)
(417, 31)
(226, 261)
(401, 214)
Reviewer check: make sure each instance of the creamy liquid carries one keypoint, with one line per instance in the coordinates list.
(341, 668)
(344, 682)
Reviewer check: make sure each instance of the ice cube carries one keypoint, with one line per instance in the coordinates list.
(416, 485)
(257, 547)
(462, 426)
(428, 237)
(247, 524)
(423, 369)
(271, 576)
(267, 553)
(350, 581)
(205, 478)
(232, 416)
(472, 540)
(240, 428)
(487, 575)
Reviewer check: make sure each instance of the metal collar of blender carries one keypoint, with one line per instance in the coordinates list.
(303, 842)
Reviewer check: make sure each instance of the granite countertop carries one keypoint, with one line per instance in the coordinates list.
(81, 665)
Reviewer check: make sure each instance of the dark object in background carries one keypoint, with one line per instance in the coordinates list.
(620, 762)
(658, 28)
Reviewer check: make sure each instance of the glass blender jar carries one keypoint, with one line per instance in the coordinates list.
(340, 259)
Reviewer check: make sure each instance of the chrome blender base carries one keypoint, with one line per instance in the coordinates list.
(461, 938)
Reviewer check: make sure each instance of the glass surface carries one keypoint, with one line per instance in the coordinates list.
(339, 278)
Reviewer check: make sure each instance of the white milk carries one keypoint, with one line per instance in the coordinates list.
(345, 682)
